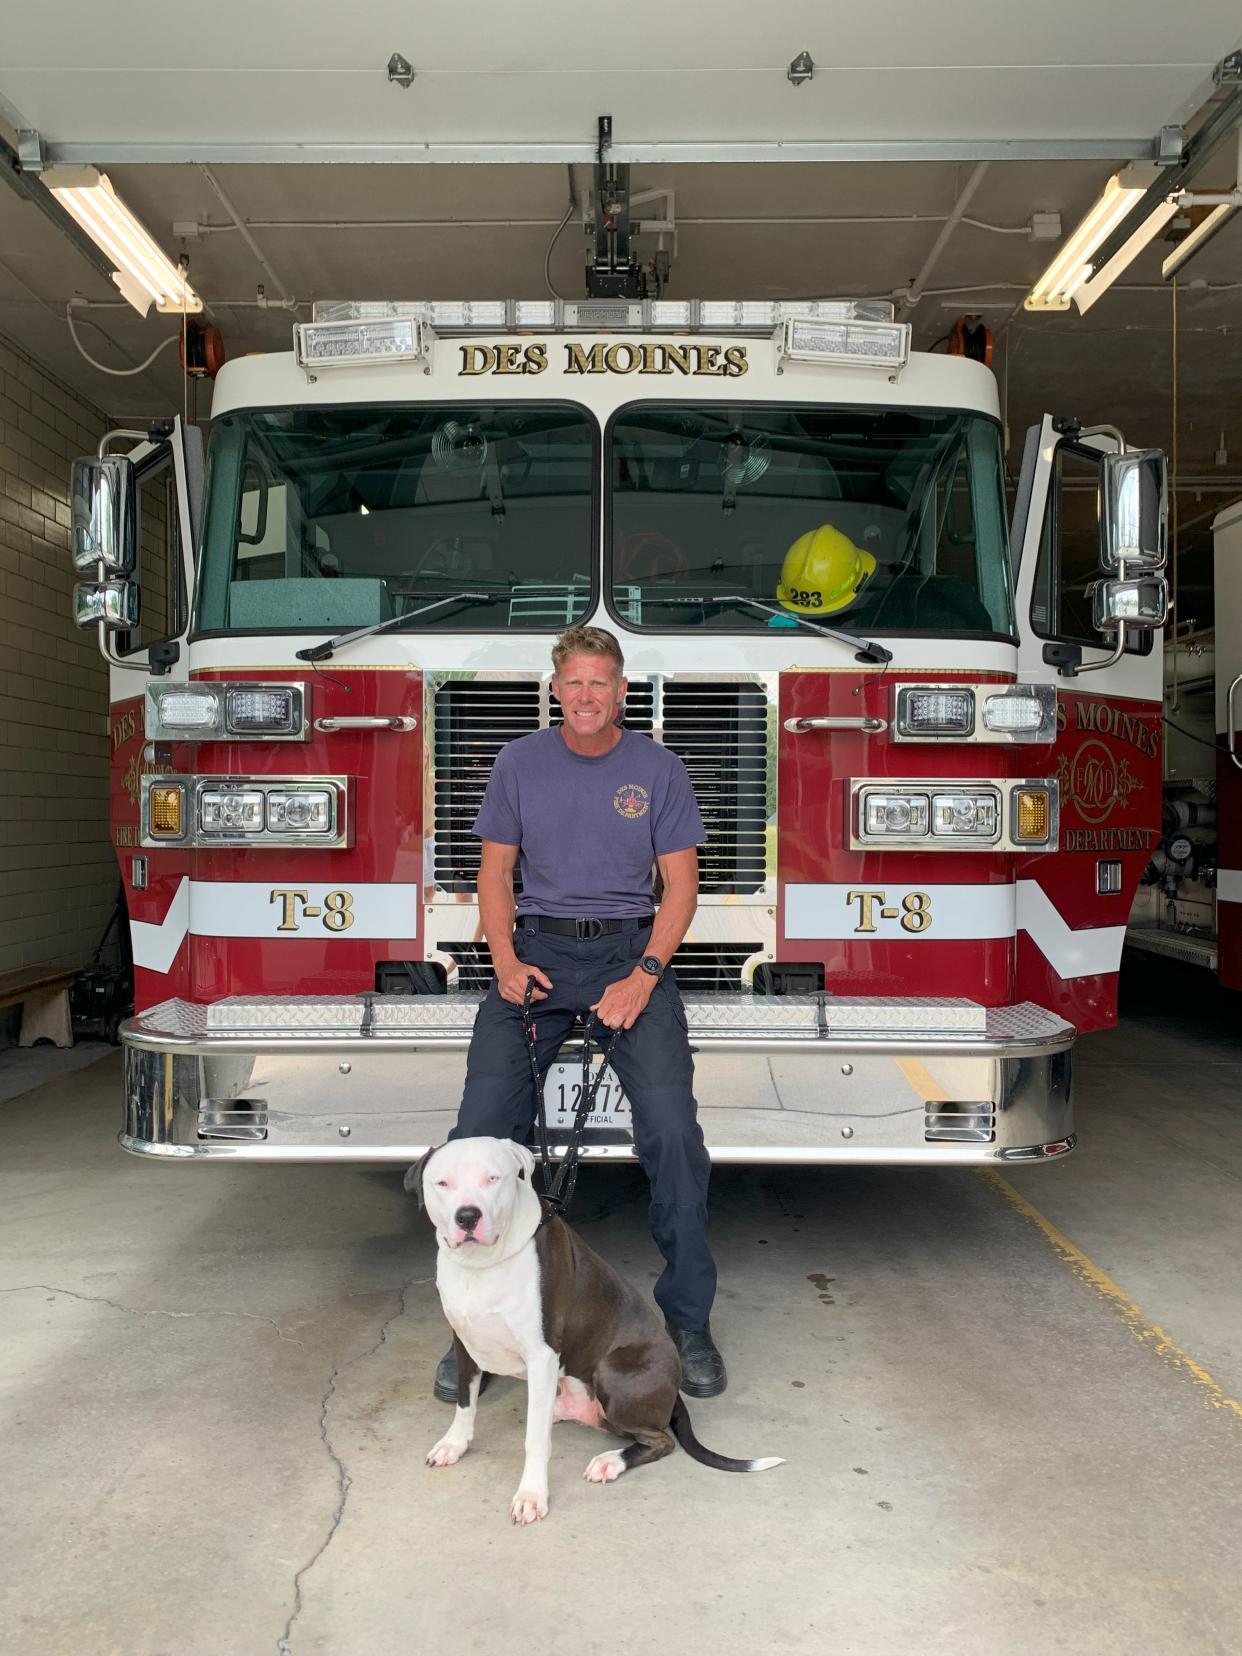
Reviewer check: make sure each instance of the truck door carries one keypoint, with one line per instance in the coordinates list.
(1073, 906)
(168, 474)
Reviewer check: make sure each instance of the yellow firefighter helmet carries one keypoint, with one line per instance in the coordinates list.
(823, 572)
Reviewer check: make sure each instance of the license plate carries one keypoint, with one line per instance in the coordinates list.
(562, 1088)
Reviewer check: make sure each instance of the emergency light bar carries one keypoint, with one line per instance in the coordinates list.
(473, 316)
(852, 344)
(350, 344)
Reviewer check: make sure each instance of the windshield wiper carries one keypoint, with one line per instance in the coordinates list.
(864, 649)
(321, 652)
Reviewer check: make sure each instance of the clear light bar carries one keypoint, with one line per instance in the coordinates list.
(217, 711)
(190, 710)
(884, 345)
(748, 316)
(1071, 276)
(145, 274)
(1015, 712)
(354, 344)
(936, 712)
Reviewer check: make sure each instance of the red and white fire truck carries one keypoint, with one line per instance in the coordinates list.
(928, 810)
(1189, 905)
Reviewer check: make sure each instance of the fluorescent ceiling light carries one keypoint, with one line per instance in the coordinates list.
(144, 273)
(1071, 276)
(1199, 237)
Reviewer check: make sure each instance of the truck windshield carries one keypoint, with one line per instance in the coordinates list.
(325, 519)
(871, 520)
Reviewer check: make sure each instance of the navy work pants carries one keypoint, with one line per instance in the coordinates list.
(654, 1065)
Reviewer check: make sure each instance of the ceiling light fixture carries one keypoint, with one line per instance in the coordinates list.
(144, 273)
(1072, 277)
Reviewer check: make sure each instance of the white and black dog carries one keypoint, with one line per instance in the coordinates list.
(525, 1296)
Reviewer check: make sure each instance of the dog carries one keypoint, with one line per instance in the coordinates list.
(525, 1296)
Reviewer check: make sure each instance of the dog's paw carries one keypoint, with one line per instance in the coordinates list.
(529, 1506)
(606, 1467)
(447, 1452)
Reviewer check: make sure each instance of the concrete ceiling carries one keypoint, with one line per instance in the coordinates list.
(1053, 97)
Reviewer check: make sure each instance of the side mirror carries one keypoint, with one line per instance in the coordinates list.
(1134, 509)
(115, 603)
(1139, 603)
(105, 516)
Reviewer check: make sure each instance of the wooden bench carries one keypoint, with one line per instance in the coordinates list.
(43, 993)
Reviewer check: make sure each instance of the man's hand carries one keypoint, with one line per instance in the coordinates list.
(511, 981)
(623, 1003)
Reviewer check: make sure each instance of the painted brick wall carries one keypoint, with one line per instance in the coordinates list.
(58, 876)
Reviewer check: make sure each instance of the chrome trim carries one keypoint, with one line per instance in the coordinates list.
(363, 1099)
(157, 731)
(798, 727)
(367, 721)
(980, 735)
(1003, 840)
(1233, 728)
(337, 838)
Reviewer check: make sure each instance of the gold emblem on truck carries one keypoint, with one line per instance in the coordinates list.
(914, 910)
(336, 912)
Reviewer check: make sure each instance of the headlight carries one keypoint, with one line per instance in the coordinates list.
(975, 713)
(1028, 712)
(992, 814)
(900, 814)
(267, 711)
(231, 811)
(217, 711)
(186, 709)
(252, 811)
(309, 811)
(973, 814)
(935, 712)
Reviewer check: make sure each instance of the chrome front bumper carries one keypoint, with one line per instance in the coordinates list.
(794, 1079)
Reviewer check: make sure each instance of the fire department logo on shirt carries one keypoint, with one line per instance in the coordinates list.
(631, 800)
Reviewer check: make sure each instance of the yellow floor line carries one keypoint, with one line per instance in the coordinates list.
(1147, 1333)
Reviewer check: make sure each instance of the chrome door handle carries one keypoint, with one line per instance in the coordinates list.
(367, 721)
(1229, 714)
(797, 727)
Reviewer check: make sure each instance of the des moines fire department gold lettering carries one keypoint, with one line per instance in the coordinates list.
(336, 913)
(647, 357)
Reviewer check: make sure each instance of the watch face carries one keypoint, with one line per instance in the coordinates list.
(651, 963)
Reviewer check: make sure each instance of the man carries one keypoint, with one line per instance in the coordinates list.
(589, 809)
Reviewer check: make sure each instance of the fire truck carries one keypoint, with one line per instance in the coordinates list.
(928, 809)
(1187, 905)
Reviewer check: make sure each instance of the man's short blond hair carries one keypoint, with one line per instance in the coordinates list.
(587, 641)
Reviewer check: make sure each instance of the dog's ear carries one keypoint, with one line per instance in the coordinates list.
(414, 1176)
(523, 1157)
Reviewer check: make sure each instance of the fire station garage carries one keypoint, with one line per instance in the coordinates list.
(790, 1037)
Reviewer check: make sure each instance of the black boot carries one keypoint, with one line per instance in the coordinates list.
(446, 1377)
(702, 1366)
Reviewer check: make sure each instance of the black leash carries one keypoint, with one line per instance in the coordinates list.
(558, 1183)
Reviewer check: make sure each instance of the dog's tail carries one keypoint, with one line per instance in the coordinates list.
(684, 1433)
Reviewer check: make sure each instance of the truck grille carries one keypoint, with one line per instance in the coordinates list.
(702, 968)
(719, 731)
(474, 718)
(717, 728)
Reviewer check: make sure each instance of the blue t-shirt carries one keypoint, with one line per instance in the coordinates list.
(589, 828)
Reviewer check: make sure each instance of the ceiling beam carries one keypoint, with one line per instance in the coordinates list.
(214, 152)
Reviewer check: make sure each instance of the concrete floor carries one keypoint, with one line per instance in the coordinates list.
(215, 1386)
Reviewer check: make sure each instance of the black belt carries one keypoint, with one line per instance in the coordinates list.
(583, 930)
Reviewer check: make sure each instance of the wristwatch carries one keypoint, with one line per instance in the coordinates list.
(653, 965)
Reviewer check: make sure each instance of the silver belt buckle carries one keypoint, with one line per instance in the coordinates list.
(589, 930)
